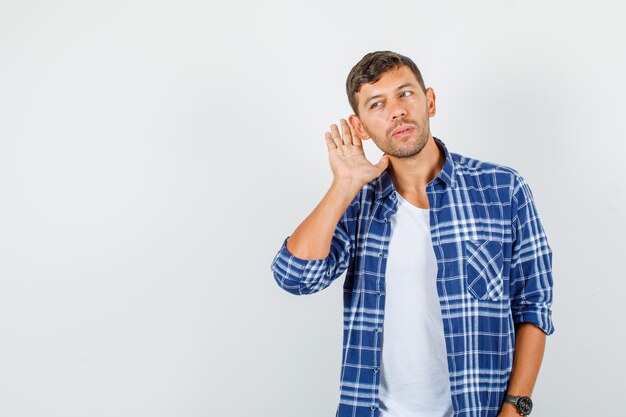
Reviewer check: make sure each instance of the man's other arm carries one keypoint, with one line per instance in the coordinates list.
(531, 294)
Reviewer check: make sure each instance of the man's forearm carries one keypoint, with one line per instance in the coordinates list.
(312, 238)
(530, 342)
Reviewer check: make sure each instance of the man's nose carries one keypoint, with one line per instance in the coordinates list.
(397, 110)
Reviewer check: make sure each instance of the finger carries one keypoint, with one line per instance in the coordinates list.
(329, 141)
(345, 132)
(356, 140)
(334, 132)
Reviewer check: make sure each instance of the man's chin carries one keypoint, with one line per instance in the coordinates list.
(406, 153)
(403, 154)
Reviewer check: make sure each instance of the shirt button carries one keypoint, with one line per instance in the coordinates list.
(379, 293)
(373, 407)
(376, 369)
(375, 330)
(386, 220)
(380, 254)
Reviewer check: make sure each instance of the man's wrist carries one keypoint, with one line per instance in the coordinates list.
(346, 188)
(516, 405)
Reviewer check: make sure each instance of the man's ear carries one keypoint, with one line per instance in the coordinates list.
(430, 102)
(357, 126)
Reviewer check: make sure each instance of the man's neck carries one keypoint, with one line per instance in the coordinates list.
(411, 175)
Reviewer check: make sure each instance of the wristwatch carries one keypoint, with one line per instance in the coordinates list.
(524, 404)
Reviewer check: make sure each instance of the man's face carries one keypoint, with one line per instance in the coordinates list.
(394, 112)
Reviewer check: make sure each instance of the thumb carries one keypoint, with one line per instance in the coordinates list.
(383, 163)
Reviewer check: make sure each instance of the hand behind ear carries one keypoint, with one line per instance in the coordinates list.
(347, 158)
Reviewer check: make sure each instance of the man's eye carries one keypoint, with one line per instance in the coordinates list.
(405, 93)
(374, 105)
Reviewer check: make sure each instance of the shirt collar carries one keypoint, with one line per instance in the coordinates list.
(383, 184)
(447, 171)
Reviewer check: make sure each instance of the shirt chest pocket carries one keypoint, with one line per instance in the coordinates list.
(483, 266)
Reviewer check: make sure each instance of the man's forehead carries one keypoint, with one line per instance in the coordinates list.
(388, 82)
(393, 78)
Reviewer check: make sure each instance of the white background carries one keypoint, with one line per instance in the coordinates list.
(154, 155)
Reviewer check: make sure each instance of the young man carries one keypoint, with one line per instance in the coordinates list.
(448, 290)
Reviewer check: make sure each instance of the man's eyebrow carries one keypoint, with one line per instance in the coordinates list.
(372, 98)
(399, 88)
(406, 85)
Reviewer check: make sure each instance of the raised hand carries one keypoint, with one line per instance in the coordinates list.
(347, 160)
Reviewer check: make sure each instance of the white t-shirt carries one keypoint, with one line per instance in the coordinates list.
(415, 381)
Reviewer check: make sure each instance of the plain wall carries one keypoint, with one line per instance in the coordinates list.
(154, 156)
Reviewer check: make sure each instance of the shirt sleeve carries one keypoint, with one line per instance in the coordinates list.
(300, 276)
(531, 263)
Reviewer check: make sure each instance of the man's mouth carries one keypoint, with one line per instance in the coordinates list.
(402, 131)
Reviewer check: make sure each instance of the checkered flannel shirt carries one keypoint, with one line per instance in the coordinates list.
(494, 270)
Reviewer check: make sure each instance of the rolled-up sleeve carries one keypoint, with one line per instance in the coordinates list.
(531, 263)
(301, 276)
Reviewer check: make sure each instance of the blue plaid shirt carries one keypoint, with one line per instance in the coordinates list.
(494, 270)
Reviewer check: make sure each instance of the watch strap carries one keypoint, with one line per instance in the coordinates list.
(523, 404)
(511, 399)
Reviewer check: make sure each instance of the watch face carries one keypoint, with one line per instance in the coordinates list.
(524, 406)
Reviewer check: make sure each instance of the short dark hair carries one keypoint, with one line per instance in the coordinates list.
(371, 67)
